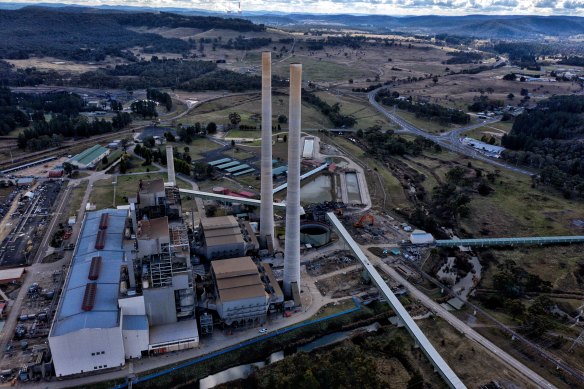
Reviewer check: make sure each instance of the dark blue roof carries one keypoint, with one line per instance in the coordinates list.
(135, 322)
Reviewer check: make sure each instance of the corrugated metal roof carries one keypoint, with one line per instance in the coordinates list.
(89, 155)
(135, 322)
(70, 316)
(219, 161)
(233, 267)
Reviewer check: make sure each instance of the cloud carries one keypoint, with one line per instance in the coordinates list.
(573, 5)
(546, 4)
(380, 7)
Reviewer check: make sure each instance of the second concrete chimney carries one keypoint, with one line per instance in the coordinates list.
(267, 195)
(292, 242)
(170, 165)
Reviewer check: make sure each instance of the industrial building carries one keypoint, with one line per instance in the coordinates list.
(225, 237)
(136, 286)
(89, 158)
(129, 293)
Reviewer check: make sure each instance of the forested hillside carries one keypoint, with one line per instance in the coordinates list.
(550, 137)
(91, 35)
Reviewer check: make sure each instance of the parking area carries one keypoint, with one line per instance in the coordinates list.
(27, 222)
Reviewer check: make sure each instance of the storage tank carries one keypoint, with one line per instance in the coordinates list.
(123, 287)
(145, 284)
(315, 234)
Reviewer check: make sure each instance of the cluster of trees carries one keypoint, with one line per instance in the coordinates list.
(572, 61)
(10, 116)
(523, 54)
(386, 144)
(226, 79)
(547, 138)
(483, 103)
(365, 90)
(188, 133)
(463, 57)
(243, 43)
(450, 200)
(351, 364)
(158, 73)
(145, 108)
(43, 134)
(162, 97)
(332, 112)
(428, 111)
(66, 103)
(59, 32)
(512, 283)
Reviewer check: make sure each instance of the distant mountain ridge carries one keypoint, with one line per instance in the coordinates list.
(480, 26)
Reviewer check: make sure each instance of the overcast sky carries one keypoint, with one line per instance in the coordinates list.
(383, 7)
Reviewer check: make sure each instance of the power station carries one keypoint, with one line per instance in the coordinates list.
(143, 282)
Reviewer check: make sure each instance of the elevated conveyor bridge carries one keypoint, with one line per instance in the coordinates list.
(526, 241)
(437, 361)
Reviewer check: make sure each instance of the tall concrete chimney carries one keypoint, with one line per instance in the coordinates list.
(267, 209)
(170, 165)
(292, 242)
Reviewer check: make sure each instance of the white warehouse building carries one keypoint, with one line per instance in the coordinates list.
(87, 333)
(102, 320)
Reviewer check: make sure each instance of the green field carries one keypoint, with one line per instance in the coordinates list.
(319, 71)
(430, 126)
(137, 166)
(197, 147)
(497, 130)
(359, 108)
(102, 193)
(249, 108)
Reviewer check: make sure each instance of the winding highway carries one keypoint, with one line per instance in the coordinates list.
(448, 140)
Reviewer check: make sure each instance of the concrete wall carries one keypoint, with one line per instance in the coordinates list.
(160, 305)
(225, 251)
(134, 342)
(72, 352)
(132, 305)
(240, 309)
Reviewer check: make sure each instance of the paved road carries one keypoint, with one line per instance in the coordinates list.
(463, 327)
(448, 140)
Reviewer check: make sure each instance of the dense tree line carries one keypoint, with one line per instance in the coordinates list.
(91, 36)
(463, 57)
(572, 61)
(10, 116)
(243, 43)
(383, 144)
(547, 138)
(43, 134)
(145, 108)
(162, 97)
(69, 104)
(161, 72)
(332, 112)
(426, 111)
(483, 103)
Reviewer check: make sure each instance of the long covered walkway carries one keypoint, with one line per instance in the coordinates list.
(533, 241)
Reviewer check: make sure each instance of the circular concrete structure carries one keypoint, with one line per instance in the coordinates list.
(315, 234)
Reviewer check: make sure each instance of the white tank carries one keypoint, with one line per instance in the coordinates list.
(123, 287)
(145, 284)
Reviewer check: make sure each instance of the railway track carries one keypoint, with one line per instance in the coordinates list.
(31, 157)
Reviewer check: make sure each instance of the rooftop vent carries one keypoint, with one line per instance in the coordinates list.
(100, 240)
(103, 221)
(89, 296)
(94, 268)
